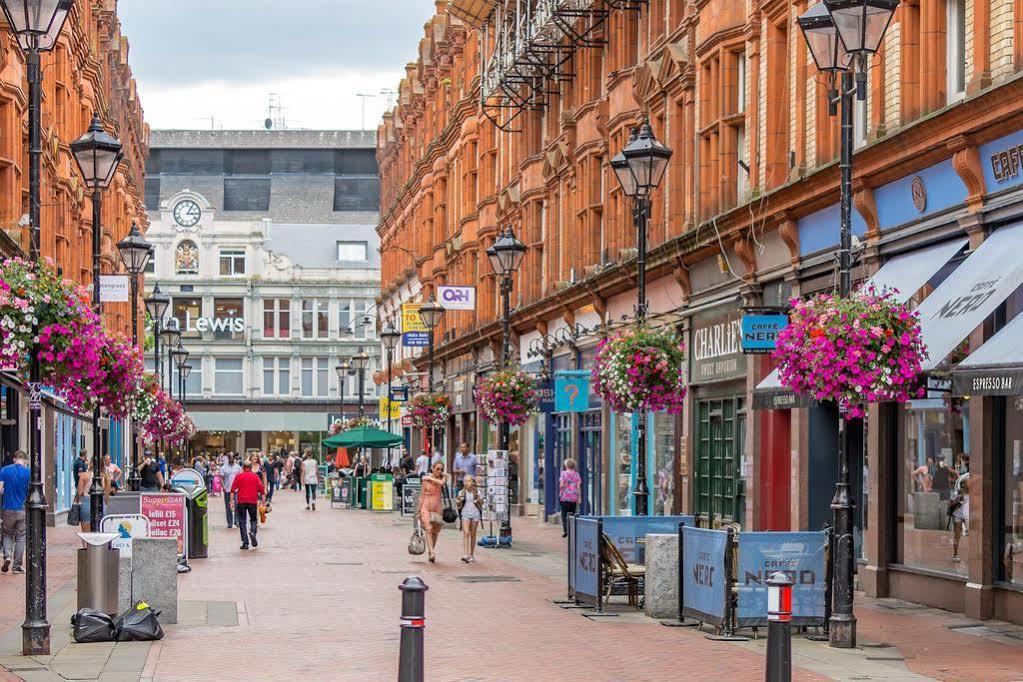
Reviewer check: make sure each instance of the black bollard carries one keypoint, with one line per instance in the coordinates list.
(413, 621)
(779, 637)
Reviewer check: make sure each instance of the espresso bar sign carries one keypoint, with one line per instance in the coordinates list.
(716, 348)
(1004, 381)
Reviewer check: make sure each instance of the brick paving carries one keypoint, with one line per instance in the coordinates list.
(318, 600)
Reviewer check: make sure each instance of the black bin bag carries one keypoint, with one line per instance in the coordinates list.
(138, 624)
(90, 625)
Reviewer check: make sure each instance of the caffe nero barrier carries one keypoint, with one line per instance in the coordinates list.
(722, 573)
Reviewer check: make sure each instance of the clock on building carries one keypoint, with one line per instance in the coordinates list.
(187, 213)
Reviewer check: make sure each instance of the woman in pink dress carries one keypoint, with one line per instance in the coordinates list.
(430, 507)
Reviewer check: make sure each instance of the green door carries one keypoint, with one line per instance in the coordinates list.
(720, 433)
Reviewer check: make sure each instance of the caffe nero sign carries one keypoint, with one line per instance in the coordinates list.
(716, 348)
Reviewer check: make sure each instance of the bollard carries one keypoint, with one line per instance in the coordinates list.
(779, 637)
(413, 621)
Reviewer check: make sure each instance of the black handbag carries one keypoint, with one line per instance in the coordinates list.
(74, 515)
(448, 514)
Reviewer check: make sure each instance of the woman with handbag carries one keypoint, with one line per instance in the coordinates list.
(432, 512)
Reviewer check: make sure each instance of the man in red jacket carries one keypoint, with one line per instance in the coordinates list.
(248, 491)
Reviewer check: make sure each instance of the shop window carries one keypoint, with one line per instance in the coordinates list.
(276, 318)
(186, 258)
(193, 382)
(276, 376)
(664, 463)
(228, 321)
(934, 486)
(344, 319)
(1010, 551)
(228, 378)
(623, 463)
(185, 311)
(232, 262)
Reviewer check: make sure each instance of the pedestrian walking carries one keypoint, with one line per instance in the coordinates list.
(422, 464)
(14, 480)
(248, 491)
(272, 472)
(311, 478)
(465, 465)
(296, 472)
(257, 468)
(470, 510)
(430, 508)
(228, 472)
(150, 475)
(569, 490)
(114, 472)
(83, 479)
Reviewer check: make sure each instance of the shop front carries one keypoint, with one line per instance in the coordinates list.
(717, 381)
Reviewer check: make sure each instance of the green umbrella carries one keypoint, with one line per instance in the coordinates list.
(363, 437)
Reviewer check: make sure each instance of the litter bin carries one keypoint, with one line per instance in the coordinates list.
(196, 508)
(364, 490)
(98, 572)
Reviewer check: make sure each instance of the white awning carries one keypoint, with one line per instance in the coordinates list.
(905, 275)
(996, 368)
(971, 293)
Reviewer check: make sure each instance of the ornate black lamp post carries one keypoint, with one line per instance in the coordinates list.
(135, 254)
(359, 363)
(156, 306)
(431, 313)
(841, 36)
(171, 338)
(506, 256)
(37, 25)
(98, 154)
(390, 338)
(639, 169)
(344, 370)
(179, 356)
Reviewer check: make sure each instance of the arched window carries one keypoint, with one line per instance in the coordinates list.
(186, 258)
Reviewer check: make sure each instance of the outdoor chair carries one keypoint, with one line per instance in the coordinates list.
(619, 573)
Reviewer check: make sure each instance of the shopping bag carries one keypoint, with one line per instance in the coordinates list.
(138, 623)
(74, 515)
(417, 543)
(90, 625)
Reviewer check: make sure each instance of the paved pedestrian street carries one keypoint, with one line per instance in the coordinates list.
(318, 600)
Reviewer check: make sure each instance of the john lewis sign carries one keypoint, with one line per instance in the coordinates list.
(235, 325)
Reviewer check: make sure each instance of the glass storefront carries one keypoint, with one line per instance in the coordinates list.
(664, 463)
(622, 463)
(1010, 551)
(934, 485)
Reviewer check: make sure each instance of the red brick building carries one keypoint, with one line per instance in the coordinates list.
(87, 71)
(510, 119)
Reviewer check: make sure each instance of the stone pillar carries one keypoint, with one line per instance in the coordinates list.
(661, 582)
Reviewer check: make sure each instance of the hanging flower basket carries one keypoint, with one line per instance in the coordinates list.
(866, 348)
(430, 410)
(508, 396)
(641, 370)
(144, 401)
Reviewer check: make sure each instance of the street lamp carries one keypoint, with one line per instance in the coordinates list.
(179, 356)
(98, 154)
(390, 338)
(506, 256)
(37, 25)
(639, 167)
(156, 306)
(344, 370)
(171, 338)
(135, 254)
(859, 27)
(431, 313)
(359, 363)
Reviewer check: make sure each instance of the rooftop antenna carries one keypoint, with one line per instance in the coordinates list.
(275, 113)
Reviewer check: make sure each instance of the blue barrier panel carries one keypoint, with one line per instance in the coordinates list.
(706, 583)
(799, 555)
(586, 575)
(625, 530)
(571, 556)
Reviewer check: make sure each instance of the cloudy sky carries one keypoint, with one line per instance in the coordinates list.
(203, 63)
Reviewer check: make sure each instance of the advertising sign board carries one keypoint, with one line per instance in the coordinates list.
(128, 527)
(587, 560)
(166, 515)
(414, 333)
(703, 572)
(572, 391)
(457, 298)
(760, 332)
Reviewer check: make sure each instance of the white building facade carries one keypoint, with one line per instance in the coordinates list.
(265, 243)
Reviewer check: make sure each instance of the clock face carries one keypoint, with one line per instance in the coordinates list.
(187, 213)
